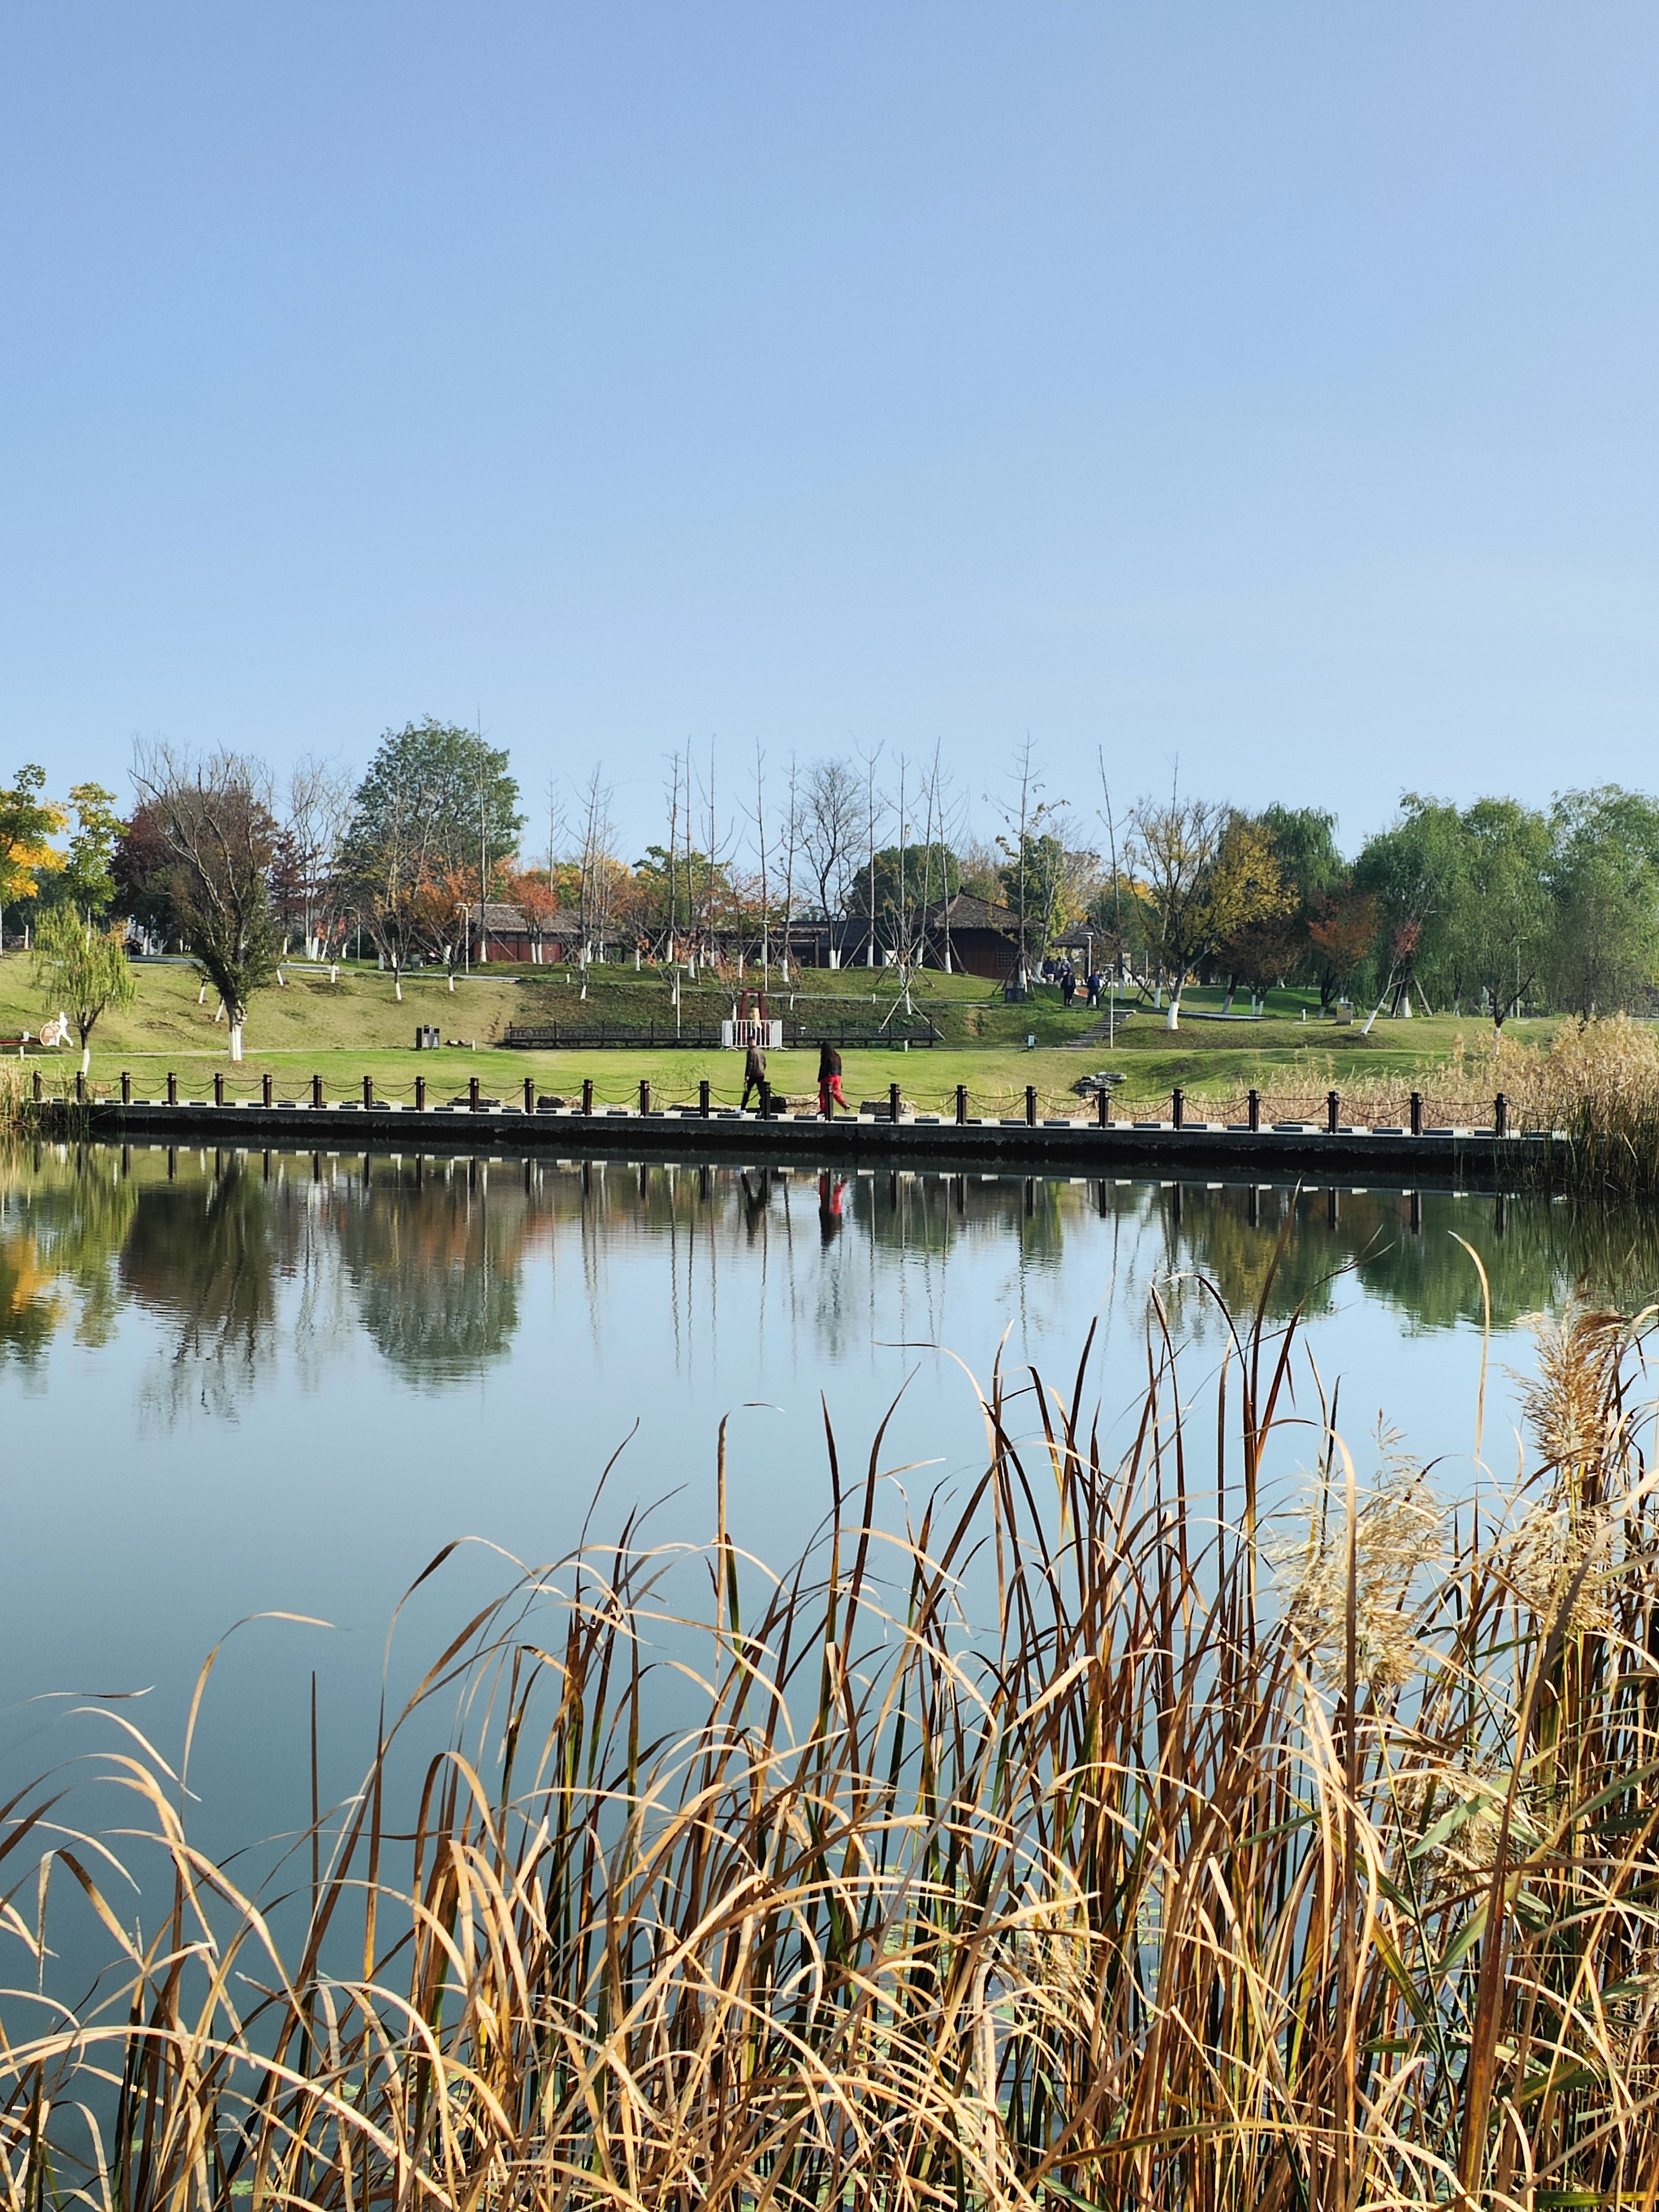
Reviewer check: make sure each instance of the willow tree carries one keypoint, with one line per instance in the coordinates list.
(81, 970)
(214, 818)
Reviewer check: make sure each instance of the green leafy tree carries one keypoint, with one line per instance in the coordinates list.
(81, 970)
(673, 891)
(1033, 880)
(1413, 870)
(1604, 895)
(907, 877)
(1304, 841)
(87, 880)
(1499, 923)
(460, 787)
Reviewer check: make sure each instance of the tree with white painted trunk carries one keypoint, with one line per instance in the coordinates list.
(1203, 874)
(216, 819)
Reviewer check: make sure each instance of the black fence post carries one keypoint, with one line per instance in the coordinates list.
(1256, 1112)
(530, 1094)
(473, 1093)
(80, 1088)
(645, 1096)
(1178, 1105)
(765, 1100)
(1030, 1105)
(1104, 1104)
(703, 1098)
(218, 1087)
(1333, 1107)
(264, 1090)
(588, 1094)
(126, 1088)
(420, 1094)
(893, 1103)
(316, 1090)
(37, 1086)
(1500, 1115)
(369, 1090)
(173, 1088)
(961, 1104)
(1416, 1112)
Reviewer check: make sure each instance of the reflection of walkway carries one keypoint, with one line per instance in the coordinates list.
(1436, 1158)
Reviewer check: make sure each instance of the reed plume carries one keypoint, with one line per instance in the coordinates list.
(1052, 1847)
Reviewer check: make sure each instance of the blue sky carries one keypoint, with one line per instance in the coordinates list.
(1267, 388)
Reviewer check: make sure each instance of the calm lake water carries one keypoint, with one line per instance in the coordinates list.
(240, 1383)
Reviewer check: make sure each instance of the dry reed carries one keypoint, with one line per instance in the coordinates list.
(1172, 1880)
(16, 1099)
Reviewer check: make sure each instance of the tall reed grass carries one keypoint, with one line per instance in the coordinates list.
(1594, 1088)
(17, 1100)
(1160, 1874)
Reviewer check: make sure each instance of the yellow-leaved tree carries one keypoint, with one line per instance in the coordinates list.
(1204, 874)
(27, 820)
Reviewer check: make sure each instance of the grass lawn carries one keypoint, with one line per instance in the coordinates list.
(356, 1027)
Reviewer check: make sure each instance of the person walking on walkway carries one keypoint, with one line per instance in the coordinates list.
(754, 1075)
(830, 1094)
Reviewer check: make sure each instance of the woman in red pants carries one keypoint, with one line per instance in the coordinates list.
(829, 1090)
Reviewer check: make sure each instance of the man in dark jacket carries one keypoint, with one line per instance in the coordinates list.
(754, 1075)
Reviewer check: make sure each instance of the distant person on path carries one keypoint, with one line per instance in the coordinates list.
(754, 1075)
(1094, 986)
(1067, 987)
(830, 1094)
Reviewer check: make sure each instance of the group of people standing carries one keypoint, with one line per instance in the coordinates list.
(1061, 972)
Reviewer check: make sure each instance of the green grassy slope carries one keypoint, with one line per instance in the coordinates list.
(356, 1027)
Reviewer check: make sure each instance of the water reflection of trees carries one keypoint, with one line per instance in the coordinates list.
(434, 1263)
(63, 1220)
(243, 1258)
(240, 1256)
(1405, 1253)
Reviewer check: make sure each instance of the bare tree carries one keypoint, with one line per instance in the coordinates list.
(598, 863)
(873, 809)
(1022, 812)
(319, 808)
(948, 809)
(765, 880)
(831, 808)
(217, 819)
(791, 847)
(1109, 816)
